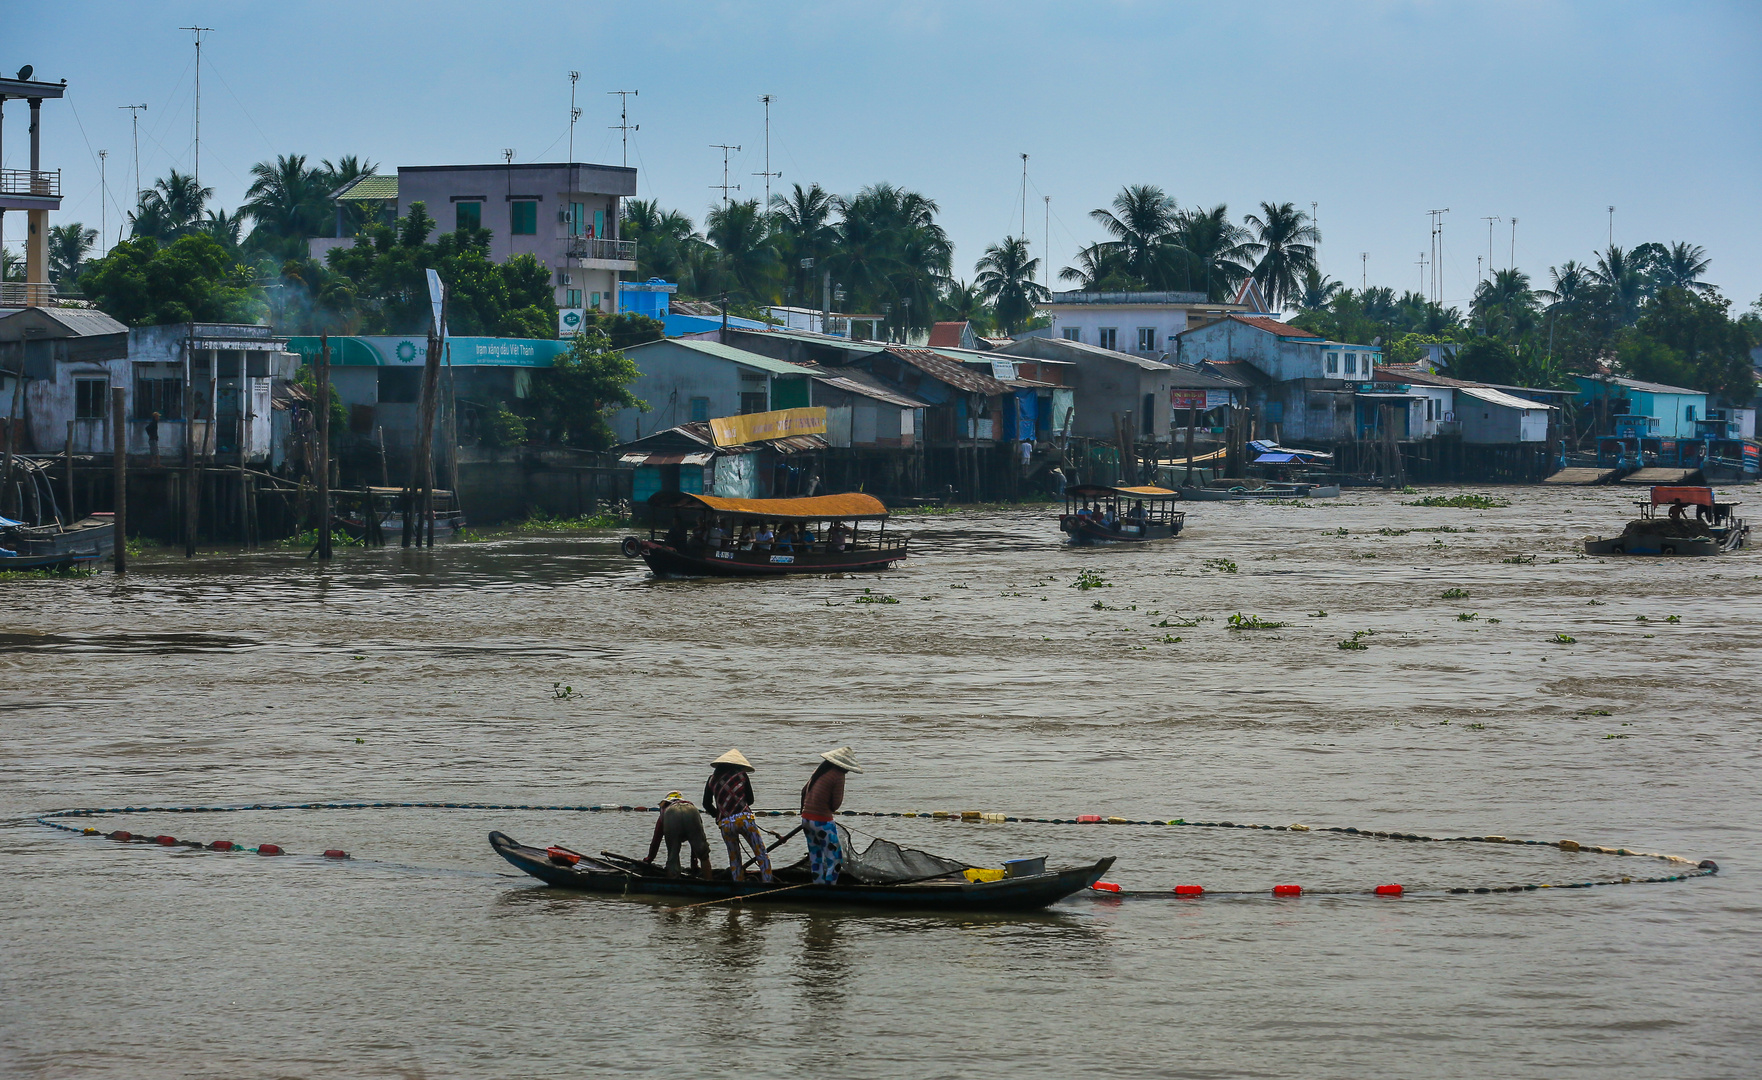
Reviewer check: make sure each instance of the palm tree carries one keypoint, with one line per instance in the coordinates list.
(743, 249)
(1215, 249)
(966, 303)
(1317, 290)
(891, 252)
(1379, 304)
(1006, 278)
(1101, 268)
(1571, 284)
(1141, 223)
(224, 228)
(1504, 304)
(1283, 248)
(1679, 266)
(668, 246)
(68, 245)
(335, 175)
(171, 208)
(801, 226)
(289, 202)
(1619, 285)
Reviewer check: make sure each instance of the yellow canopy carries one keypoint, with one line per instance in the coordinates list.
(853, 506)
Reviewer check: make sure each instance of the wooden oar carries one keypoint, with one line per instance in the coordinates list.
(747, 896)
(773, 847)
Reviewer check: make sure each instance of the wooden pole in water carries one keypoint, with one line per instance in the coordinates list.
(324, 448)
(420, 481)
(191, 494)
(120, 476)
(68, 454)
(12, 436)
(1192, 417)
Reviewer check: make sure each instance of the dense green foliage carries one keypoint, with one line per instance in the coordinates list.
(144, 283)
(573, 398)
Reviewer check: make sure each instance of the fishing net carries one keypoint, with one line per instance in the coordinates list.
(884, 862)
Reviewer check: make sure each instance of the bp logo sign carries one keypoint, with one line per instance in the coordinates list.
(406, 352)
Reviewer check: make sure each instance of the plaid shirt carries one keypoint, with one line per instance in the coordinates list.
(730, 792)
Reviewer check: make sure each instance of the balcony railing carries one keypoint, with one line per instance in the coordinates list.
(591, 247)
(16, 294)
(29, 182)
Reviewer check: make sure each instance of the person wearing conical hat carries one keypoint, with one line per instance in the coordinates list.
(728, 796)
(821, 797)
(679, 823)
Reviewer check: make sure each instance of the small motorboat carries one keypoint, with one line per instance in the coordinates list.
(884, 875)
(1120, 515)
(56, 547)
(1713, 529)
(1242, 493)
(714, 536)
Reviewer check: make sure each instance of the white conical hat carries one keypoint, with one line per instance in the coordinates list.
(844, 758)
(736, 758)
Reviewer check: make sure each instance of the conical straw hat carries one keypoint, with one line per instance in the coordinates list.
(844, 758)
(736, 758)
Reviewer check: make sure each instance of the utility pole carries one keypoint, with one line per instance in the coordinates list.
(196, 174)
(725, 185)
(1489, 221)
(767, 174)
(134, 115)
(624, 125)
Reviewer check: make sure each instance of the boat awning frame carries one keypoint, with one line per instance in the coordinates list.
(850, 506)
(1091, 491)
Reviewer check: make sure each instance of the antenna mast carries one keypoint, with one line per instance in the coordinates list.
(134, 115)
(199, 30)
(1363, 272)
(1489, 221)
(1046, 254)
(624, 125)
(767, 174)
(1024, 198)
(1437, 254)
(103, 200)
(725, 185)
(574, 113)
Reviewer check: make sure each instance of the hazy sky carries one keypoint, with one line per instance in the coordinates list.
(1377, 112)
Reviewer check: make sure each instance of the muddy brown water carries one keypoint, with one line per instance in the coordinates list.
(991, 684)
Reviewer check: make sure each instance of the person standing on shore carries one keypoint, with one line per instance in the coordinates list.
(728, 796)
(821, 797)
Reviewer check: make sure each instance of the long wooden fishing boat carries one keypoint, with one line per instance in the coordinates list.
(949, 890)
(692, 535)
(1713, 529)
(56, 547)
(1239, 493)
(1120, 515)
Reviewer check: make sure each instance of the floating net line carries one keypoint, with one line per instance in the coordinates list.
(1684, 868)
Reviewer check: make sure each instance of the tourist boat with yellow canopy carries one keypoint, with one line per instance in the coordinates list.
(1112, 515)
(692, 534)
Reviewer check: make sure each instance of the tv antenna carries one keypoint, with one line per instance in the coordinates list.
(1363, 272)
(1514, 243)
(103, 200)
(1489, 221)
(1437, 254)
(624, 125)
(725, 185)
(1612, 226)
(574, 113)
(196, 173)
(1024, 198)
(135, 112)
(768, 174)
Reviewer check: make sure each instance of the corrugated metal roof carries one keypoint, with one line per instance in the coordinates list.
(1499, 397)
(78, 322)
(942, 369)
(1037, 347)
(855, 381)
(370, 188)
(729, 352)
(1271, 326)
(1650, 387)
(868, 348)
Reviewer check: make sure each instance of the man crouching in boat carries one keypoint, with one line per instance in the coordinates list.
(728, 795)
(680, 823)
(821, 797)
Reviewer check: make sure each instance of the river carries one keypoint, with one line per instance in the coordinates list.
(992, 684)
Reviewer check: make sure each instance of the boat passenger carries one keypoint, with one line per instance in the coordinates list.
(680, 823)
(746, 537)
(1677, 509)
(821, 797)
(1137, 514)
(787, 537)
(676, 535)
(718, 535)
(837, 536)
(728, 795)
(764, 538)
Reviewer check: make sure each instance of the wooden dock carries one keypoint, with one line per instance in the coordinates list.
(1582, 476)
(1671, 475)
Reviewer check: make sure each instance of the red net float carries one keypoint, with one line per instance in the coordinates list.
(335, 853)
(1287, 890)
(165, 841)
(1088, 819)
(1105, 886)
(270, 849)
(561, 857)
(1389, 890)
(1189, 890)
(221, 845)
(122, 834)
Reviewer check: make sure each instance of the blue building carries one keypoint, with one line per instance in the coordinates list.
(1670, 412)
